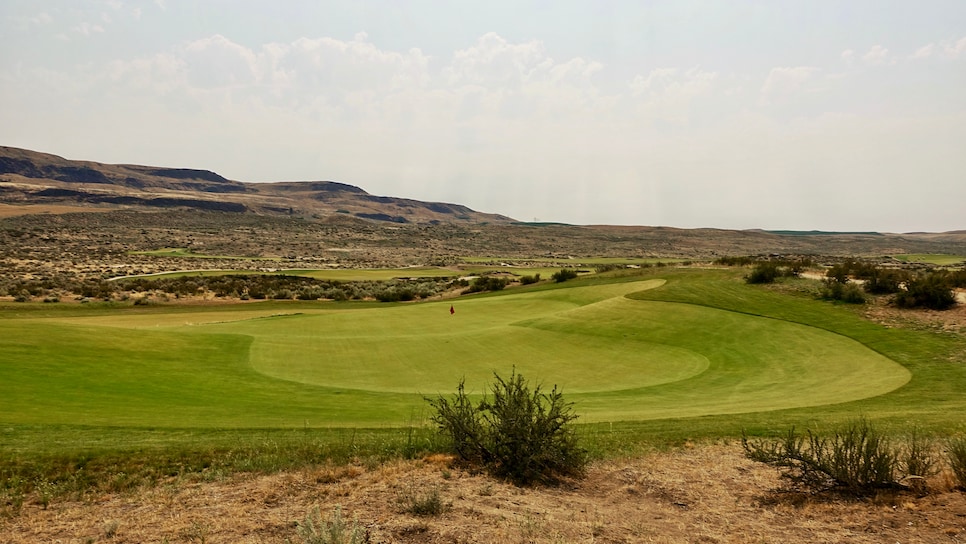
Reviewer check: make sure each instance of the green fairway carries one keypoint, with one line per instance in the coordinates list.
(939, 260)
(622, 350)
(583, 261)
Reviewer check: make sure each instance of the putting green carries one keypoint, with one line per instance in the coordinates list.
(333, 364)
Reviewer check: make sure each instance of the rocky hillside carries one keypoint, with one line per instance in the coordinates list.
(30, 177)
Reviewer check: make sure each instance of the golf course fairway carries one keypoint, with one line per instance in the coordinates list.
(325, 364)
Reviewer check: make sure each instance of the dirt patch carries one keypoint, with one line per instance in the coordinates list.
(705, 494)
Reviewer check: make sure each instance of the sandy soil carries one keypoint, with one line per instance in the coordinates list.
(705, 494)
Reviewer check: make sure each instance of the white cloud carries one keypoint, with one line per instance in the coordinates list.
(667, 94)
(955, 50)
(219, 62)
(876, 55)
(848, 55)
(924, 52)
(494, 61)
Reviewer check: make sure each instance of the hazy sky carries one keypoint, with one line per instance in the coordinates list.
(833, 115)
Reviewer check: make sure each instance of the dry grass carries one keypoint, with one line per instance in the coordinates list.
(705, 494)
(13, 210)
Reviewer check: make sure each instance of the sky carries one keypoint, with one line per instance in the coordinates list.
(819, 114)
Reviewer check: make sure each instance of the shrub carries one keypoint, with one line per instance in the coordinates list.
(957, 460)
(833, 289)
(426, 504)
(840, 272)
(486, 283)
(931, 291)
(918, 460)
(563, 275)
(856, 459)
(525, 436)
(882, 282)
(763, 272)
(283, 294)
(314, 530)
(527, 280)
(735, 261)
(853, 295)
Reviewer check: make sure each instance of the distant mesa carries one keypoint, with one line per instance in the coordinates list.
(188, 173)
(31, 177)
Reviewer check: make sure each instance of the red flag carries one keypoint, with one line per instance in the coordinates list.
(452, 310)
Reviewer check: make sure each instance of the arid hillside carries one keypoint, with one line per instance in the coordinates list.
(30, 177)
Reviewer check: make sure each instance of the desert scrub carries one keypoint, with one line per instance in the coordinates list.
(856, 459)
(425, 504)
(956, 454)
(563, 275)
(314, 530)
(522, 435)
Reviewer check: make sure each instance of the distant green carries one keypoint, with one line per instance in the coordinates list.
(936, 259)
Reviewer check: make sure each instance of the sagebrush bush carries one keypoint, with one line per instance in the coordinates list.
(856, 459)
(314, 530)
(956, 454)
(525, 436)
(932, 291)
(563, 275)
(487, 283)
(764, 272)
(918, 456)
(849, 292)
(425, 504)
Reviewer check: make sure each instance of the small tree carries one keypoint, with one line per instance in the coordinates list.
(522, 435)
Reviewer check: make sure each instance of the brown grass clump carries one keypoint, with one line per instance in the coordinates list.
(709, 493)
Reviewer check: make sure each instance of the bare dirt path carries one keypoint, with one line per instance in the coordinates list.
(703, 494)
